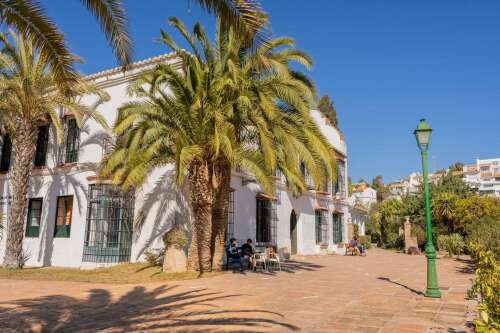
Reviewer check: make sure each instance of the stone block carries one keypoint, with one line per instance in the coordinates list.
(175, 261)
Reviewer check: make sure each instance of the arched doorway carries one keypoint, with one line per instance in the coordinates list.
(293, 232)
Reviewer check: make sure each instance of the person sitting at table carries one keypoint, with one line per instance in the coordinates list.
(247, 252)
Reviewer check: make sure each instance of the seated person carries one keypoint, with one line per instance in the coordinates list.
(233, 249)
(360, 246)
(247, 251)
(353, 243)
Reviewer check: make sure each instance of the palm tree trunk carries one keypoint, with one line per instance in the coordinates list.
(220, 214)
(202, 199)
(24, 148)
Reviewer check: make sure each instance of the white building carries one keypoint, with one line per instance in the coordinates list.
(364, 194)
(74, 220)
(405, 186)
(483, 176)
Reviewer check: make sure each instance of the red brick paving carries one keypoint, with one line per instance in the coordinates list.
(335, 294)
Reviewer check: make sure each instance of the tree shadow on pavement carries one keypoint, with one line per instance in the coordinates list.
(157, 310)
(418, 292)
(287, 266)
(466, 266)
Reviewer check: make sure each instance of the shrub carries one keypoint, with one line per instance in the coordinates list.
(366, 241)
(355, 228)
(154, 257)
(395, 241)
(485, 233)
(175, 237)
(453, 244)
(486, 288)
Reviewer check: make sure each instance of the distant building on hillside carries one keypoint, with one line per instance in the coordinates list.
(405, 186)
(364, 194)
(483, 176)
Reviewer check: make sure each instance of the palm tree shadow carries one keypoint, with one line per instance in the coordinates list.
(161, 309)
(418, 292)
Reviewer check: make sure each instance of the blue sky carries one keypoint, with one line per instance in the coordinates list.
(384, 63)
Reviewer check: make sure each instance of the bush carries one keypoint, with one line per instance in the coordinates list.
(366, 241)
(395, 241)
(453, 244)
(154, 257)
(175, 237)
(486, 288)
(485, 233)
(355, 228)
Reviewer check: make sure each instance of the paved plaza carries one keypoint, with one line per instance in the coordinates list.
(378, 293)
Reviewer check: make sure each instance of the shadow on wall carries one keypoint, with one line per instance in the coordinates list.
(164, 206)
(161, 309)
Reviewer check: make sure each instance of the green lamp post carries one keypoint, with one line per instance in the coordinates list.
(423, 134)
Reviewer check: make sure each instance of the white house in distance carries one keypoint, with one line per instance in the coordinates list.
(74, 220)
(483, 176)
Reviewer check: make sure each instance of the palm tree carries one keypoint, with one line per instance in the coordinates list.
(29, 18)
(29, 95)
(225, 112)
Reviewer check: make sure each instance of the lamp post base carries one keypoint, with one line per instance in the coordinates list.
(432, 282)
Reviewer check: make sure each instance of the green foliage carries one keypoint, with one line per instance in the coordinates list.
(486, 288)
(457, 166)
(382, 191)
(472, 209)
(485, 233)
(366, 241)
(394, 241)
(419, 232)
(355, 228)
(349, 186)
(175, 237)
(326, 107)
(154, 257)
(453, 244)
(389, 217)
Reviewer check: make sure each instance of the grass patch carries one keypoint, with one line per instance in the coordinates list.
(122, 273)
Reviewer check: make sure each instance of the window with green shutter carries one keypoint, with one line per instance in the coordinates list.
(337, 227)
(41, 146)
(63, 216)
(6, 152)
(34, 217)
(72, 141)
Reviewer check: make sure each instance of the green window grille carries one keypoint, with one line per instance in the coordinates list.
(41, 146)
(63, 216)
(6, 152)
(34, 217)
(108, 235)
(320, 226)
(337, 228)
(72, 141)
(230, 218)
(263, 222)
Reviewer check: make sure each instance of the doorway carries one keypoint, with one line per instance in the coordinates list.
(293, 232)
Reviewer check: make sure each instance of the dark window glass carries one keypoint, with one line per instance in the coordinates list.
(41, 146)
(34, 217)
(264, 214)
(72, 141)
(6, 152)
(63, 216)
(337, 228)
(319, 226)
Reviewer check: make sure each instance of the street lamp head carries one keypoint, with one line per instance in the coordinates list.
(423, 134)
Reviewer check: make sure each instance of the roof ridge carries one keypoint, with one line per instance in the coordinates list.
(134, 65)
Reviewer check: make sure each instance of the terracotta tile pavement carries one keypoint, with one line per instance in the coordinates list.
(378, 293)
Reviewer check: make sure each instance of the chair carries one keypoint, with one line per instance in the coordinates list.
(260, 258)
(273, 258)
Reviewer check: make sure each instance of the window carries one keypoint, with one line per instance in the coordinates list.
(6, 152)
(230, 218)
(41, 146)
(72, 141)
(108, 235)
(305, 175)
(63, 216)
(34, 217)
(320, 226)
(337, 228)
(264, 215)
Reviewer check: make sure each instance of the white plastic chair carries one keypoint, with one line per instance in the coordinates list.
(273, 259)
(260, 258)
